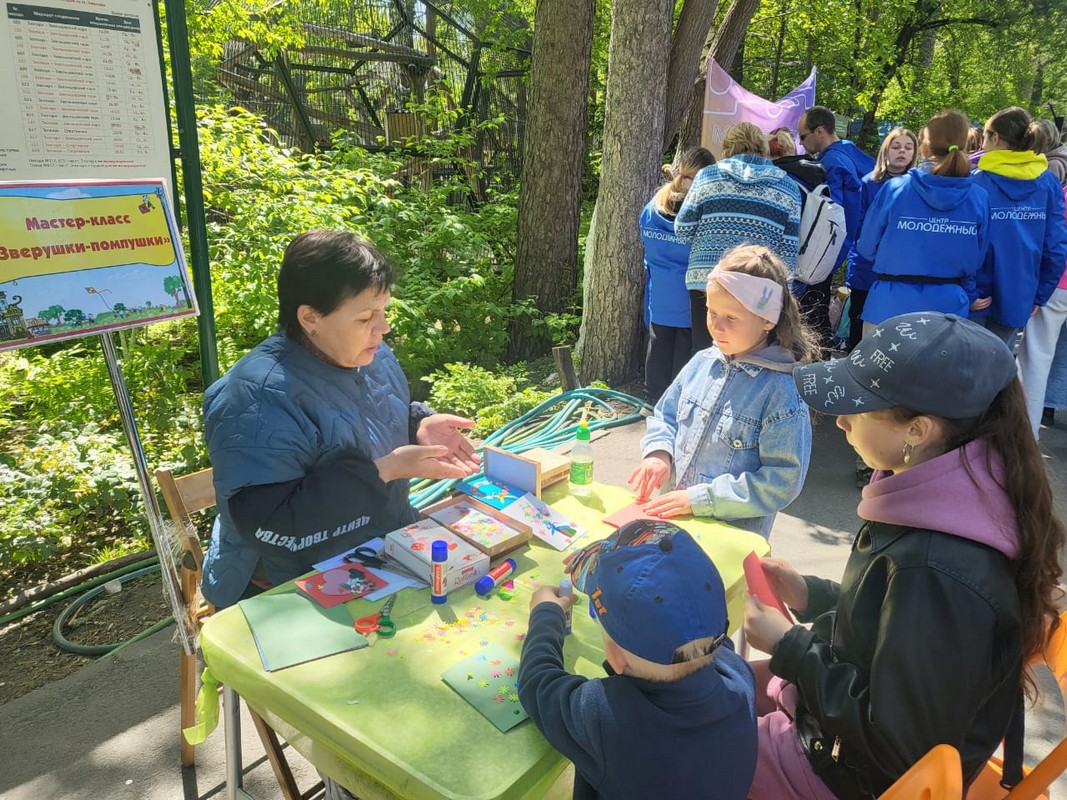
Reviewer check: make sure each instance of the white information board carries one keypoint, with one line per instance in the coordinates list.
(80, 91)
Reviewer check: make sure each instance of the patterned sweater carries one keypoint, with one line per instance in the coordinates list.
(743, 199)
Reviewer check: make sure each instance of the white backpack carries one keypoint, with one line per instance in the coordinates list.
(822, 232)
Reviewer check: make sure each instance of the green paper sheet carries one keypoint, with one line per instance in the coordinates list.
(290, 628)
(487, 680)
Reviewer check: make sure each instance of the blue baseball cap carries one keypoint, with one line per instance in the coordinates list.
(927, 362)
(652, 588)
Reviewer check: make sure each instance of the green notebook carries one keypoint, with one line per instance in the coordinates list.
(290, 628)
(488, 680)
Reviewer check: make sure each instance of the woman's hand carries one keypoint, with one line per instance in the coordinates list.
(764, 625)
(444, 429)
(418, 461)
(550, 594)
(650, 474)
(787, 583)
(671, 504)
(982, 303)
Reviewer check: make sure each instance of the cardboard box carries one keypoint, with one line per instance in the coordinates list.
(412, 544)
(485, 527)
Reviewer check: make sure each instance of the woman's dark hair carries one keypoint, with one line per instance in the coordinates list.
(1005, 427)
(322, 269)
(946, 141)
(1015, 127)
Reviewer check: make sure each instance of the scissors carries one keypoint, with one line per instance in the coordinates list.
(369, 557)
(379, 622)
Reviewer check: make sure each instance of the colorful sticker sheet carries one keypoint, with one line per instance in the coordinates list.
(488, 680)
(547, 524)
(493, 493)
(475, 525)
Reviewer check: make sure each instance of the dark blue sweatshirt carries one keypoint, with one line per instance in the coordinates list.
(1027, 236)
(845, 167)
(633, 738)
(860, 270)
(927, 226)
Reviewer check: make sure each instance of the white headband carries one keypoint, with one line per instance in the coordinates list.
(762, 296)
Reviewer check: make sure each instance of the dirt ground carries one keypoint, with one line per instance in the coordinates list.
(30, 658)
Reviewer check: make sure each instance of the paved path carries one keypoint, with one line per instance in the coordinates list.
(110, 730)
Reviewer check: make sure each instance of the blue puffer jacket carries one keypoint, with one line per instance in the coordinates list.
(1027, 236)
(666, 259)
(284, 417)
(738, 434)
(930, 227)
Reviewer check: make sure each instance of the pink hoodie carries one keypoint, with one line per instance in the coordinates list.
(941, 495)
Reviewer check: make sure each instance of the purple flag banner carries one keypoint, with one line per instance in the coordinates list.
(726, 103)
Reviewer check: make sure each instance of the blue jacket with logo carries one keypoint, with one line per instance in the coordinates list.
(666, 259)
(928, 226)
(1027, 235)
(845, 166)
(738, 434)
(292, 441)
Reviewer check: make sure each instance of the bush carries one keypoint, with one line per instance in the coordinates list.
(475, 392)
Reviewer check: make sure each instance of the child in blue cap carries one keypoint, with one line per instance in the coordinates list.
(676, 714)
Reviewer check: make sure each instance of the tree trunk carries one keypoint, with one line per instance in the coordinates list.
(612, 320)
(779, 46)
(723, 49)
(546, 253)
(693, 25)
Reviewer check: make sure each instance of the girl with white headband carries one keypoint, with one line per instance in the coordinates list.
(731, 435)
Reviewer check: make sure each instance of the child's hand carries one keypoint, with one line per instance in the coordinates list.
(650, 474)
(764, 625)
(787, 583)
(672, 504)
(550, 594)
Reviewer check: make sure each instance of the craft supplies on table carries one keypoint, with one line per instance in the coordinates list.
(412, 547)
(485, 527)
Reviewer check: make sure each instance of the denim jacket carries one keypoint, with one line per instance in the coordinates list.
(738, 434)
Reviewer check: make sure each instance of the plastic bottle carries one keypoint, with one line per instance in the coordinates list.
(566, 588)
(581, 461)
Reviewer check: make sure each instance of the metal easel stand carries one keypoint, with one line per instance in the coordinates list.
(167, 562)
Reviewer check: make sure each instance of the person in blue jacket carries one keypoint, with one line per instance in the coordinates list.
(1027, 235)
(927, 231)
(675, 716)
(899, 153)
(845, 166)
(667, 314)
(312, 434)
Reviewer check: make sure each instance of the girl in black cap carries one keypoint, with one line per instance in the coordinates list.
(951, 584)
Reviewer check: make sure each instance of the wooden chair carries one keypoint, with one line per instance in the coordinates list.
(184, 496)
(936, 776)
(1036, 781)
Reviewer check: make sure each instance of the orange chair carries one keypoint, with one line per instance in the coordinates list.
(184, 496)
(1037, 780)
(936, 776)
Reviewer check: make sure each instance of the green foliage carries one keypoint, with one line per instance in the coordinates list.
(475, 392)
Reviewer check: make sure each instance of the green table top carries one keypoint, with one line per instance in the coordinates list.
(382, 722)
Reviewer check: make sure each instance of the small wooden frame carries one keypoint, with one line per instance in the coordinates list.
(517, 471)
(456, 514)
(555, 467)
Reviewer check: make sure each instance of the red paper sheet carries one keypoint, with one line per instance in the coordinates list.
(760, 586)
(340, 584)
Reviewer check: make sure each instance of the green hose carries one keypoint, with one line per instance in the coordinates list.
(99, 649)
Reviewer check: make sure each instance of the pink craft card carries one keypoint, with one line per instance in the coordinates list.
(760, 586)
(628, 514)
(340, 584)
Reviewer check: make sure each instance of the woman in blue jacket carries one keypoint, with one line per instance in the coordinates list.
(1027, 236)
(899, 153)
(667, 314)
(926, 232)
